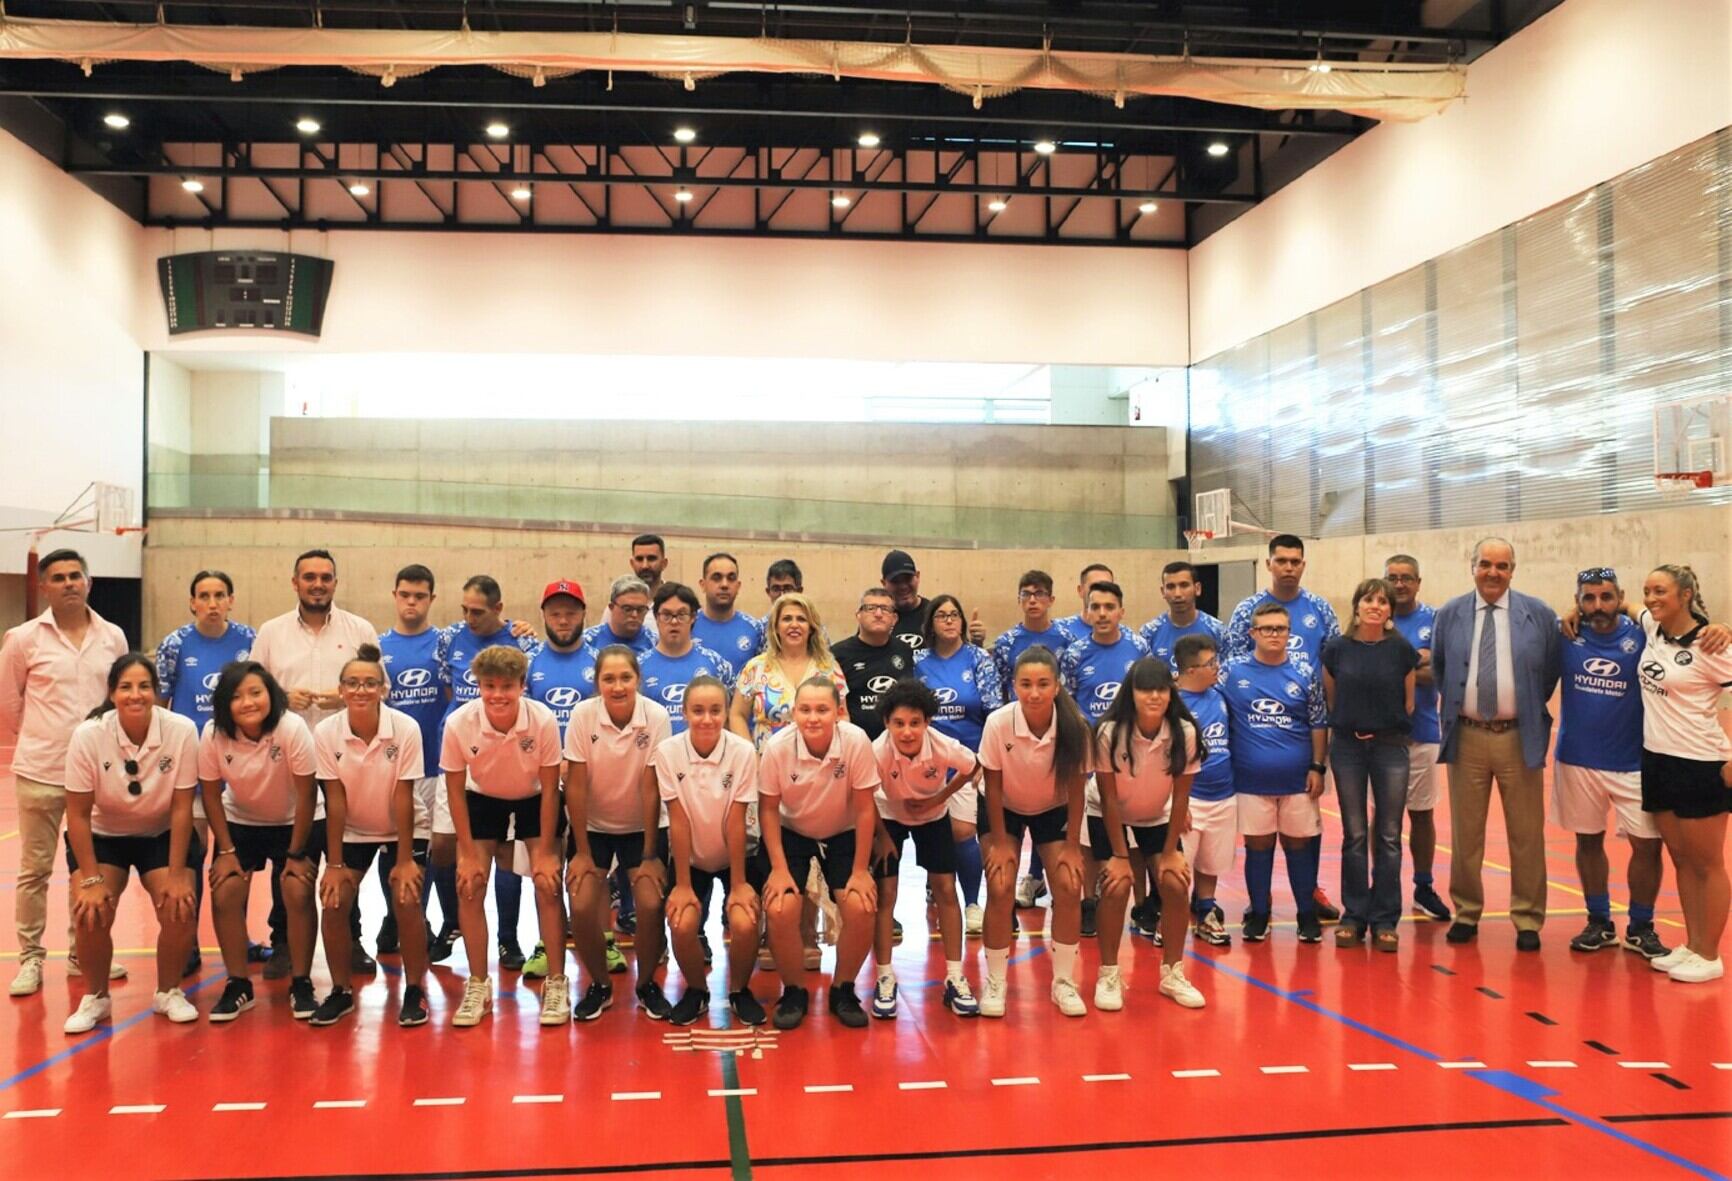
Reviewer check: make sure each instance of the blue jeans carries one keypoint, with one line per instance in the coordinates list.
(1380, 764)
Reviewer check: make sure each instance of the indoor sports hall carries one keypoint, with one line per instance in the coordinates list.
(604, 390)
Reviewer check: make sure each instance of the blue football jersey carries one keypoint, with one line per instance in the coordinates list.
(967, 687)
(1013, 643)
(559, 680)
(601, 636)
(1415, 628)
(458, 646)
(664, 678)
(1272, 709)
(412, 668)
(1214, 779)
(1309, 615)
(1161, 633)
(188, 664)
(1092, 672)
(1600, 703)
(736, 641)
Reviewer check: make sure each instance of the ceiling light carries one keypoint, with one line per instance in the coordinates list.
(192, 185)
(682, 195)
(1321, 67)
(521, 193)
(359, 190)
(307, 126)
(498, 130)
(685, 135)
(1045, 147)
(841, 201)
(869, 139)
(998, 204)
(1147, 207)
(117, 121)
(1218, 149)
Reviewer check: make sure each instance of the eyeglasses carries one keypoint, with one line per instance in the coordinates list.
(875, 609)
(135, 787)
(1272, 629)
(1596, 574)
(1401, 579)
(354, 683)
(624, 610)
(674, 616)
(947, 617)
(1029, 596)
(1212, 662)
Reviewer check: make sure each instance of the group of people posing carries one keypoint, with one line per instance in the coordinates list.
(681, 754)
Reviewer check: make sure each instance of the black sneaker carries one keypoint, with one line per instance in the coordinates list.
(302, 1001)
(693, 1004)
(596, 999)
(439, 949)
(388, 943)
(1425, 899)
(258, 953)
(844, 1006)
(627, 924)
(511, 958)
(360, 961)
(653, 1001)
(791, 1009)
(280, 965)
(236, 999)
(1310, 928)
(1460, 932)
(746, 1007)
(896, 931)
(193, 963)
(1089, 928)
(1644, 941)
(1597, 934)
(1255, 927)
(414, 1008)
(704, 942)
(338, 1004)
(1527, 940)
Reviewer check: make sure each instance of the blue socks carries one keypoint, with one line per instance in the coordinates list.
(969, 868)
(1200, 908)
(1640, 916)
(444, 880)
(508, 897)
(1422, 881)
(1600, 907)
(1302, 874)
(1035, 868)
(1259, 873)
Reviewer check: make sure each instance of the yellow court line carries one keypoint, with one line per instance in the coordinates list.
(6, 836)
(126, 951)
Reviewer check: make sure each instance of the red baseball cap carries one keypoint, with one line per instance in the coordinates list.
(564, 586)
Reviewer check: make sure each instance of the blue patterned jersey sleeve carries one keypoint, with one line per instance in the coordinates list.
(442, 654)
(168, 663)
(1067, 666)
(1237, 637)
(1319, 705)
(987, 680)
(1331, 625)
(1001, 656)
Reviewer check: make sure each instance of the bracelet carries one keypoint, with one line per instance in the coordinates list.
(228, 852)
(94, 879)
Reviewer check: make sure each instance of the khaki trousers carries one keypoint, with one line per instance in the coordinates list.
(41, 808)
(1481, 757)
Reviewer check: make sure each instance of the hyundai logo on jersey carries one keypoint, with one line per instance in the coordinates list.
(414, 678)
(674, 695)
(882, 684)
(1214, 732)
(1107, 691)
(945, 694)
(211, 679)
(561, 697)
(1268, 705)
(1599, 666)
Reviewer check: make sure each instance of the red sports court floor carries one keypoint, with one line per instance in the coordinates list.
(1439, 1061)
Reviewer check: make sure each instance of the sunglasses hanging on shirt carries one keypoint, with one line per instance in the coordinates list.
(134, 787)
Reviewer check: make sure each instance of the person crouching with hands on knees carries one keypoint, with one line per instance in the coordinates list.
(815, 783)
(131, 768)
(1035, 752)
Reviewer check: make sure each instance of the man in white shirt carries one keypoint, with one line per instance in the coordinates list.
(53, 671)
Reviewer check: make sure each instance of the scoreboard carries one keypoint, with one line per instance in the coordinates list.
(251, 289)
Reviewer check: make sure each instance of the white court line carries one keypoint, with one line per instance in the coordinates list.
(339, 1104)
(450, 1101)
(732, 1092)
(1462, 1065)
(1646, 1065)
(1721, 1065)
(1551, 1064)
(137, 1109)
(538, 1098)
(829, 1088)
(1285, 1069)
(1106, 1078)
(932, 1086)
(237, 1107)
(33, 1113)
(1196, 1074)
(1024, 1081)
(1371, 1066)
(627, 1096)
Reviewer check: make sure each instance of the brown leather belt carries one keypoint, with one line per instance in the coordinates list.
(1502, 727)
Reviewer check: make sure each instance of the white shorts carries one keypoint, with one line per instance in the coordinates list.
(1213, 837)
(1295, 815)
(1580, 796)
(1422, 776)
(965, 805)
(441, 825)
(428, 793)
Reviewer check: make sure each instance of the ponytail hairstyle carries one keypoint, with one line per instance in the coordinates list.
(118, 670)
(1685, 578)
(1070, 750)
(365, 654)
(1149, 673)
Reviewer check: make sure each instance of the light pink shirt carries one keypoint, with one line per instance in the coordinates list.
(47, 687)
(260, 776)
(167, 762)
(1145, 787)
(301, 658)
(615, 758)
(368, 771)
(816, 795)
(920, 778)
(707, 787)
(504, 764)
(1024, 759)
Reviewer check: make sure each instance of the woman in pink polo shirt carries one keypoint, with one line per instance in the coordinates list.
(815, 785)
(1036, 755)
(707, 777)
(616, 815)
(255, 769)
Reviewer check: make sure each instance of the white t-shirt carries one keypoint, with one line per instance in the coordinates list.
(707, 787)
(615, 758)
(902, 780)
(1024, 760)
(369, 771)
(816, 795)
(167, 762)
(1681, 687)
(1144, 787)
(260, 775)
(504, 764)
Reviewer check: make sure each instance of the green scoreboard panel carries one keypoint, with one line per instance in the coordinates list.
(252, 289)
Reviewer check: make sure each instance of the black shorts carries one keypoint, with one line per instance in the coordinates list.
(1691, 789)
(256, 844)
(835, 857)
(625, 847)
(1045, 827)
(934, 847)
(1151, 839)
(703, 880)
(144, 854)
(359, 855)
(490, 818)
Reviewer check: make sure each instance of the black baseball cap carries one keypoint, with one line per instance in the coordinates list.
(898, 563)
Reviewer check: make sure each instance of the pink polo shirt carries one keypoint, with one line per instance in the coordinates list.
(816, 795)
(369, 771)
(260, 776)
(167, 762)
(615, 759)
(504, 764)
(920, 778)
(301, 658)
(1145, 786)
(1024, 759)
(48, 686)
(707, 787)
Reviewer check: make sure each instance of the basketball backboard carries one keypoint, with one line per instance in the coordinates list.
(1691, 438)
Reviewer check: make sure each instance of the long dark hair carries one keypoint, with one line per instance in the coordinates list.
(222, 698)
(1070, 750)
(1150, 674)
(930, 633)
(118, 670)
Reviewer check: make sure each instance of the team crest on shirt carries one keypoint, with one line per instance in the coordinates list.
(276, 753)
(1309, 621)
(838, 771)
(968, 676)
(897, 663)
(391, 751)
(526, 744)
(165, 764)
(1628, 644)
(1294, 689)
(642, 740)
(727, 780)
(745, 643)
(932, 772)
(1683, 659)
(1424, 634)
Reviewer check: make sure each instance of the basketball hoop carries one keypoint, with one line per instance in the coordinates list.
(1677, 486)
(1194, 539)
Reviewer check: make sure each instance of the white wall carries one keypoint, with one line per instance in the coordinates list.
(71, 371)
(1589, 91)
(411, 292)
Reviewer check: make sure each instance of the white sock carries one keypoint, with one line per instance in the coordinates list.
(997, 960)
(953, 971)
(886, 972)
(1064, 961)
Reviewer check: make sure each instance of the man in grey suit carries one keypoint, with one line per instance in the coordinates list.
(1495, 658)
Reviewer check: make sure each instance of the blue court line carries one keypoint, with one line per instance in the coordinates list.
(96, 1038)
(1506, 1081)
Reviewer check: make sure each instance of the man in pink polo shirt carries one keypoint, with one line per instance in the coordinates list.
(53, 671)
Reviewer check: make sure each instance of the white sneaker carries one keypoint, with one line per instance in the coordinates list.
(992, 996)
(1697, 970)
(174, 1005)
(1109, 990)
(1174, 984)
(974, 919)
(1029, 889)
(1068, 999)
(91, 1012)
(555, 1000)
(814, 959)
(477, 999)
(116, 969)
(29, 980)
(1671, 959)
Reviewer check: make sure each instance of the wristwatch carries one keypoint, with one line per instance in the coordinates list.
(1319, 768)
(297, 855)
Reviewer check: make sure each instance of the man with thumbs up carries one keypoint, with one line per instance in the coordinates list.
(902, 579)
